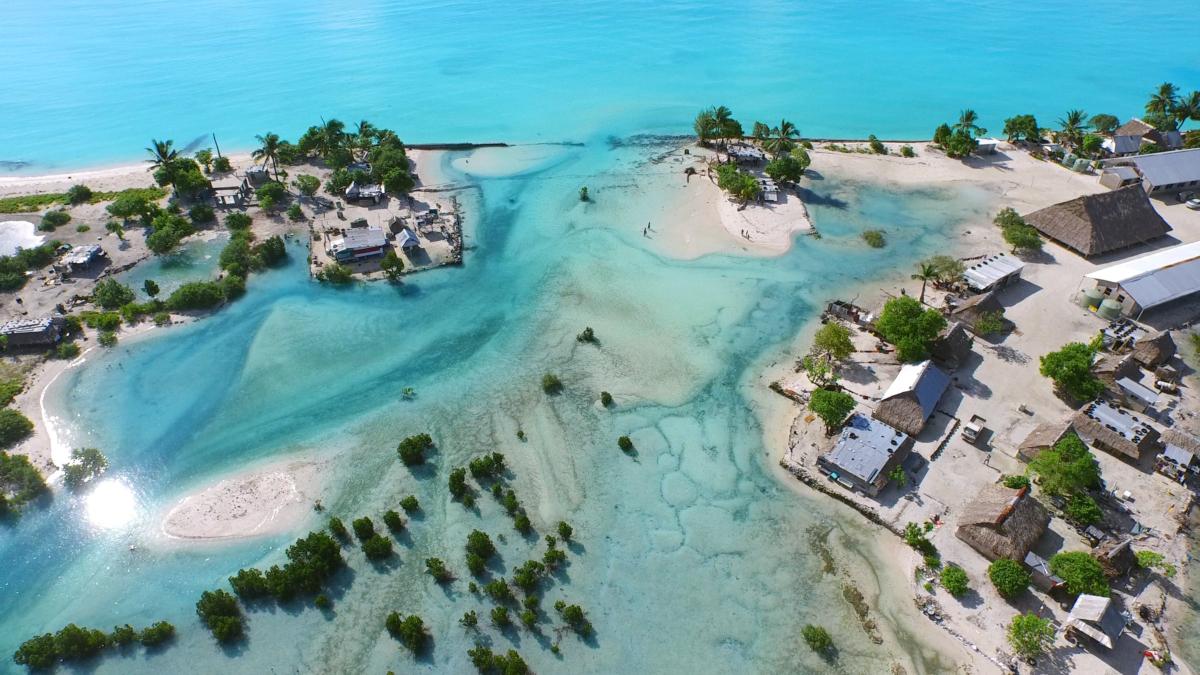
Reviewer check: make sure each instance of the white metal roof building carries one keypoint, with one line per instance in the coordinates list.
(1153, 279)
(1165, 171)
(993, 271)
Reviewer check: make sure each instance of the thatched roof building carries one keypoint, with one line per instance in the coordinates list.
(969, 310)
(1042, 438)
(1114, 430)
(1112, 367)
(912, 397)
(952, 346)
(1002, 522)
(1100, 223)
(1154, 349)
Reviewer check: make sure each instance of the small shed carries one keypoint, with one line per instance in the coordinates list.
(1117, 558)
(1001, 522)
(81, 257)
(42, 332)
(912, 397)
(1154, 349)
(1115, 177)
(994, 271)
(952, 346)
(258, 175)
(406, 239)
(970, 310)
(1040, 574)
(1135, 395)
(1096, 618)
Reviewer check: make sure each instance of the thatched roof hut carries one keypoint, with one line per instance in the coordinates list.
(1154, 349)
(912, 397)
(1042, 438)
(1112, 367)
(952, 346)
(969, 310)
(1181, 439)
(1100, 223)
(1002, 522)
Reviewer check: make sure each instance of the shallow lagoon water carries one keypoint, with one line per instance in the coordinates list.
(691, 555)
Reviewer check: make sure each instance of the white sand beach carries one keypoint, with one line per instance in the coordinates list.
(267, 500)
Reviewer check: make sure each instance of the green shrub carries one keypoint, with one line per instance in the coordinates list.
(53, 219)
(222, 165)
(295, 213)
(9, 389)
(1008, 576)
(65, 351)
(410, 504)
(219, 611)
(83, 228)
(874, 238)
(409, 630)
(954, 580)
(1081, 573)
(201, 213)
(107, 338)
(877, 146)
(817, 638)
(78, 194)
(1082, 510)
(13, 427)
(1016, 482)
(377, 547)
(335, 273)
(907, 151)
(197, 295)
(606, 399)
(393, 521)
(551, 384)
(412, 449)
(625, 443)
(237, 221)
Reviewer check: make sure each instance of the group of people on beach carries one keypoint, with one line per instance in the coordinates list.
(646, 230)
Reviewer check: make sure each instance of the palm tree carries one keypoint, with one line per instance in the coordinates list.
(781, 137)
(761, 132)
(926, 272)
(1162, 101)
(1187, 108)
(968, 122)
(269, 152)
(723, 116)
(161, 152)
(705, 126)
(333, 135)
(1073, 126)
(365, 134)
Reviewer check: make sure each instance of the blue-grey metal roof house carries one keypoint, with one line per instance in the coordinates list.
(865, 453)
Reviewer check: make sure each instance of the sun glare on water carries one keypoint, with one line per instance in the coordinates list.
(110, 504)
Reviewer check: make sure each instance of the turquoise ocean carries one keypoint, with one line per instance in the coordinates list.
(691, 555)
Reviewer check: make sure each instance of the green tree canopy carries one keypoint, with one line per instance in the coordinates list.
(833, 340)
(112, 294)
(1081, 572)
(831, 406)
(1021, 128)
(1066, 468)
(1008, 576)
(954, 579)
(1104, 123)
(1030, 634)
(1071, 370)
(910, 327)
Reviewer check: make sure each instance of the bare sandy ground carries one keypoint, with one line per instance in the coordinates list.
(268, 500)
